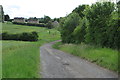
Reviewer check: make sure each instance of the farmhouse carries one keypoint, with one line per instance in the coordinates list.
(55, 24)
(33, 20)
(19, 19)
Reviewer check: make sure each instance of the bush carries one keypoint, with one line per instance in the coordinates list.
(34, 24)
(49, 25)
(31, 24)
(32, 36)
(19, 23)
(68, 25)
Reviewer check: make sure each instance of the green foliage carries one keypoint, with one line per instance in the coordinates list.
(33, 36)
(46, 19)
(57, 45)
(19, 23)
(80, 10)
(31, 24)
(97, 25)
(68, 26)
(56, 19)
(49, 25)
(80, 31)
(113, 34)
(6, 18)
(34, 24)
(41, 20)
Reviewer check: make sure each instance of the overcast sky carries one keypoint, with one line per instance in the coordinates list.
(39, 8)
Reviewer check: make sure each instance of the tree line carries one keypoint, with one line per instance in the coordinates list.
(97, 24)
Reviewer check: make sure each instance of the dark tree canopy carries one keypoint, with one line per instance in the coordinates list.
(6, 17)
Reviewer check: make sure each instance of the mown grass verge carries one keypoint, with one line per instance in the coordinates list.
(104, 57)
(21, 59)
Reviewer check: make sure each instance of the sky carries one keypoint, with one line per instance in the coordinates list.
(39, 8)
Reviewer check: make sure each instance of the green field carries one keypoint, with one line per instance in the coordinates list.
(0, 59)
(0, 52)
(22, 59)
(104, 57)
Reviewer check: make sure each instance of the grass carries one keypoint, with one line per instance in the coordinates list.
(104, 57)
(0, 52)
(22, 59)
(0, 59)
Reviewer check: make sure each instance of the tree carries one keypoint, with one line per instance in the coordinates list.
(56, 19)
(68, 26)
(113, 32)
(41, 20)
(49, 25)
(80, 31)
(6, 17)
(46, 19)
(80, 10)
(98, 15)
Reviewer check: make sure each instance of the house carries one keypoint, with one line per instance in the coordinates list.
(19, 19)
(33, 20)
(55, 24)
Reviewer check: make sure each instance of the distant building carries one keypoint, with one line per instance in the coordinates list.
(19, 19)
(55, 24)
(33, 20)
(1, 14)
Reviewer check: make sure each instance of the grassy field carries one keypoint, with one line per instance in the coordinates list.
(22, 59)
(104, 57)
(0, 52)
(0, 59)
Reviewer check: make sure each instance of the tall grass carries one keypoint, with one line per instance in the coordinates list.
(104, 57)
(22, 59)
(0, 59)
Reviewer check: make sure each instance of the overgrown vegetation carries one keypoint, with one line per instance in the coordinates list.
(96, 24)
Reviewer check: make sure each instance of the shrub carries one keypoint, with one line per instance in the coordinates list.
(5, 36)
(32, 36)
(19, 23)
(68, 25)
(49, 25)
(31, 24)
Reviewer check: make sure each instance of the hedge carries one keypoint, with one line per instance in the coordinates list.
(25, 36)
(31, 24)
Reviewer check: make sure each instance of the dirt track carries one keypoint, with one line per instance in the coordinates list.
(57, 64)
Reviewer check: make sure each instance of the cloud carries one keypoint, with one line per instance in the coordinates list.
(39, 8)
